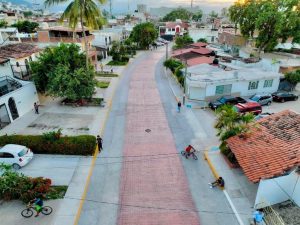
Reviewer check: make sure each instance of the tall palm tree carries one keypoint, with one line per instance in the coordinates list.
(85, 12)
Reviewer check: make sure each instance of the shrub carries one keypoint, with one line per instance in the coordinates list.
(124, 59)
(74, 145)
(14, 185)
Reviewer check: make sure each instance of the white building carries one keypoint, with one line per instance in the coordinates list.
(205, 32)
(16, 96)
(205, 82)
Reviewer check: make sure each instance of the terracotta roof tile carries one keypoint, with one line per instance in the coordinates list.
(200, 60)
(199, 44)
(271, 149)
(18, 50)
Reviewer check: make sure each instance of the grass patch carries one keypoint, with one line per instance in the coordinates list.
(102, 84)
(56, 192)
(99, 74)
(117, 63)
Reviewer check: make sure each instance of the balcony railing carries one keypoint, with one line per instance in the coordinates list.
(71, 39)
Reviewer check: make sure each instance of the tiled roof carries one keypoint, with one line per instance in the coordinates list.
(174, 24)
(201, 51)
(18, 50)
(199, 44)
(200, 60)
(271, 149)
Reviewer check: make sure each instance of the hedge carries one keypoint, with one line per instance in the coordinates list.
(73, 145)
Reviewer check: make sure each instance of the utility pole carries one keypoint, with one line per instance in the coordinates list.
(167, 51)
(110, 8)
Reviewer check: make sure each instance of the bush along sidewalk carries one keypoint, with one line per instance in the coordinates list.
(53, 143)
(14, 185)
(175, 66)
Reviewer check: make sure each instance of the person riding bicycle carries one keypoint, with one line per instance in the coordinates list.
(189, 150)
(38, 205)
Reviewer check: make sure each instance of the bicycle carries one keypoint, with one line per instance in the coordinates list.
(184, 153)
(28, 212)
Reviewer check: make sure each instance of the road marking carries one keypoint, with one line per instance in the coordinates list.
(83, 197)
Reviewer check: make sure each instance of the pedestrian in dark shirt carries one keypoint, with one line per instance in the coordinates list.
(99, 142)
(178, 106)
(36, 108)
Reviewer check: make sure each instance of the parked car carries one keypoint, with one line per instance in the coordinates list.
(15, 155)
(231, 100)
(251, 107)
(262, 115)
(284, 96)
(263, 99)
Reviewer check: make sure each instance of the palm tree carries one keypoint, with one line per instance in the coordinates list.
(230, 123)
(85, 12)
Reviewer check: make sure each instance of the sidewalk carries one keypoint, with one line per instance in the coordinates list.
(240, 190)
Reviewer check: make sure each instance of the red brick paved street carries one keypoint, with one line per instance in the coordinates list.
(151, 186)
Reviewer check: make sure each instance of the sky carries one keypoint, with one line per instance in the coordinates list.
(121, 6)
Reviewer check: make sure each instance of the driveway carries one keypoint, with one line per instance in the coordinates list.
(58, 168)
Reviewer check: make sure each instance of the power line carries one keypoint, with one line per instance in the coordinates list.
(156, 207)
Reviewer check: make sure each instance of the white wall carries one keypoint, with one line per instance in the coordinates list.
(240, 87)
(283, 188)
(206, 33)
(24, 98)
(5, 69)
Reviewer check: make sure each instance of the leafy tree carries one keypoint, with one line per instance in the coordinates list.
(182, 41)
(3, 23)
(61, 72)
(26, 26)
(28, 13)
(293, 77)
(274, 20)
(230, 123)
(202, 40)
(85, 12)
(144, 34)
(179, 13)
(197, 16)
(213, 14)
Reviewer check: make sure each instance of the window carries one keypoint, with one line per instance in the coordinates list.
(253, 85)
(223, 89)
(173, 29)
(268, 83)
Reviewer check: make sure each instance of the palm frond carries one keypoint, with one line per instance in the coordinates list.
(53, 2)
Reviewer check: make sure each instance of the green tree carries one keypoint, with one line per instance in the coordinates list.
(293, 77)
(61, 72)
(179, 13)
(274, 20)
(144, 34)
(197, 16)
(26, 26)
(3, 23)
(28, 13)
(202, 40)
(230, 123)
(85, 12)
(182, 41)
(213, 14)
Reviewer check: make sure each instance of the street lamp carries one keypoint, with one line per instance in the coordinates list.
(167, 52)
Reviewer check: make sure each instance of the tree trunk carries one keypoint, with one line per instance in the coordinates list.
(85, 40)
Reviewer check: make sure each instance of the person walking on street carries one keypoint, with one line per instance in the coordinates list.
(178, 106)
(99, 143)
(36, 108)
(183, 99)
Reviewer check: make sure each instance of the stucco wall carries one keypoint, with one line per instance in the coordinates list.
(24, 98)
(5, 69)
(283, 188)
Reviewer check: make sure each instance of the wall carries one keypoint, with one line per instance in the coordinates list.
(283, 188)
(5, 69)
(206, 33)
(24, 98)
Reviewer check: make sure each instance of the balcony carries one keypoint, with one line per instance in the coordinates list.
(71, 39)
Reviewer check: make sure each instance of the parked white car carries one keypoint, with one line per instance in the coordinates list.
(15, 155)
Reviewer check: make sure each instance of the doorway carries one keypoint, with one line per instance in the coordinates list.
(13, 108)
(4, 117)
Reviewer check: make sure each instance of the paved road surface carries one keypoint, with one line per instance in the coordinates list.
(130, 187)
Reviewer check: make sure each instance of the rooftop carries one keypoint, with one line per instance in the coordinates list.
(199, 44)
(174, 24)
(18, 50)
(67, 29)
(200, 51)
(272, 149)
(200, 60)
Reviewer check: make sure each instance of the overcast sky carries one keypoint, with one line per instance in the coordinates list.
(121, 6)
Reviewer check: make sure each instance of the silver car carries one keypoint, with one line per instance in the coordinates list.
(263, 99)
